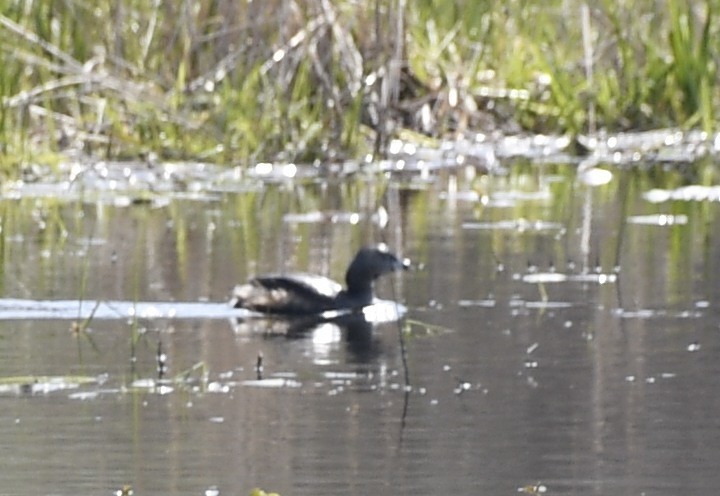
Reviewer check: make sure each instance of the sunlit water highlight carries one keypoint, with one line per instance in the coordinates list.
(18, 309)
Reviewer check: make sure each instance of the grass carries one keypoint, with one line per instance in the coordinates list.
(239, 82)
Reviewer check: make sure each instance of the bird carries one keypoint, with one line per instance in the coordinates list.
(299, 294)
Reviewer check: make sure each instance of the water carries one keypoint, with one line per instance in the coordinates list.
(561, 335)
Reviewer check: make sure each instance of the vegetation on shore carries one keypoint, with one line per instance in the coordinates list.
(239, 82)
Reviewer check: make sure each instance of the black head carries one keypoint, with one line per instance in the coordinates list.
(369, 264)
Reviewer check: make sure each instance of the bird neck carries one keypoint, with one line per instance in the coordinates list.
(359, 286)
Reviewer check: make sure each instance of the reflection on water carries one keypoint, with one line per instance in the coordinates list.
(561, 333)
(22, 309)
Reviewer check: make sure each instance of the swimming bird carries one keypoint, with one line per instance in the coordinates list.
(307, 294)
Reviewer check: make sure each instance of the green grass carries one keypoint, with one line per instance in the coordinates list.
(239, 82)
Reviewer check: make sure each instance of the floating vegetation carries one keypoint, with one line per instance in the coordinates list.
(44, 384)
(534, 489)
(557, 277)
(658, 220)
(542, 305)
(153, 386)
(260, 492)
(487, 303)
(417, 328)
(272, 383)
(695, 193)
(125, 490)
(519, 225)
(658, 313)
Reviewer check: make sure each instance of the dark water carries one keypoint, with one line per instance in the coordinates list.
(561, 337)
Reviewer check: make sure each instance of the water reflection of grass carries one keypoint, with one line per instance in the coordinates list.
(224, 80)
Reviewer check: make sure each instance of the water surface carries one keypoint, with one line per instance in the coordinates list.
(561, 334)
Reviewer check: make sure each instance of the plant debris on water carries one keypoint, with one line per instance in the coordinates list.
(44, 384)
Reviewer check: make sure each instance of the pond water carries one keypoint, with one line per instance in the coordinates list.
(561, 335)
